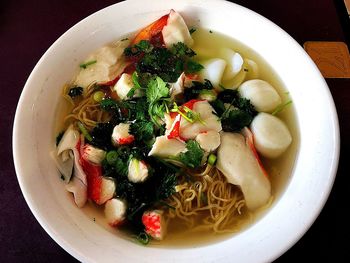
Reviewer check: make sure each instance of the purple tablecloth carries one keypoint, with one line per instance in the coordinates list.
(28, 28)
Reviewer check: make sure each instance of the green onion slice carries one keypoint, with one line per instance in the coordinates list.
(84, 131)
(212, 159)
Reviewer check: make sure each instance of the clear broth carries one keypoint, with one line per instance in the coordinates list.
(207, 45)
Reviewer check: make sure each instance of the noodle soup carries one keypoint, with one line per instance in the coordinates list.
(176, 136)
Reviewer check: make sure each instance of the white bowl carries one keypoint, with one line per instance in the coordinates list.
(291, 215)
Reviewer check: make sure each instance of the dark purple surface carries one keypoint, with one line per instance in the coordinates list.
(28, 28)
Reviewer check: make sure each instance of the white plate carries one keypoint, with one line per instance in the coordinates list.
(272, 235)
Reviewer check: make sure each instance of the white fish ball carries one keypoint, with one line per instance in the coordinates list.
(271, 135)
(261, 94)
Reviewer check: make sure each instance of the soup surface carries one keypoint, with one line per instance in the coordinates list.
(165, 175)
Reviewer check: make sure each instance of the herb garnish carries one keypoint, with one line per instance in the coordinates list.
(187, 114)
(168, 64)
(157, 94)
(194, 155)
(236, 114)
(281, 107)
(86, 64)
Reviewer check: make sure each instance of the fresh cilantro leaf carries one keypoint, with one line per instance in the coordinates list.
(245, 105)
(156, 89)
(144, 45)
(180, 49)
(237, 115)
(193, 157)
(159, 109)
(121, 167)
(143, 130)
(218, 106)
(135, 81)
(236, 120)
(161, 62)
(228, 95)
(196, 89)
(192, 30)
(141, 109)
(101, 136)
(108, 104)
(167, 186)
(193, 66)
(129, 52)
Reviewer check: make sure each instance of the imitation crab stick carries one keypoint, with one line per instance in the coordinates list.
(99, 189)
(154, 223)
(237, 162)
(151, 30)
(121, 135)
(250, 142)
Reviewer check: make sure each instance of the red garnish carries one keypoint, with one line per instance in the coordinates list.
(151, 30)
(173, 114)
(192, 76)
(151, 221)
(111, 82)
(250, 141)
(93, 175)
(94, 180)
(190, 104)
(127, 140)
(175, 132)
(157, 40)
(129, 69)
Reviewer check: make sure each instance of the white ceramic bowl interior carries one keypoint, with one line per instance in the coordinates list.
(267, 239)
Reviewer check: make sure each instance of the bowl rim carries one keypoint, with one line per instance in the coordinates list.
(78, 254)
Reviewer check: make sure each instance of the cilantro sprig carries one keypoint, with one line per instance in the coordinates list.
(192, 158)
(157, 94)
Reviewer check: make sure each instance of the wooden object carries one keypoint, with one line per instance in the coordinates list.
(332, 58)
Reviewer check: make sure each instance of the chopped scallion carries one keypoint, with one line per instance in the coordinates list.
(98, 96)
(281, 107)
(86, 64)
(84, 131)
(112, 157)
(212, 159)
(143, 238)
